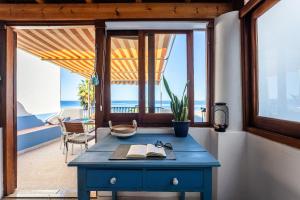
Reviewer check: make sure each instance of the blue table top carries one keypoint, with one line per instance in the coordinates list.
(188, 152)
(110, 143)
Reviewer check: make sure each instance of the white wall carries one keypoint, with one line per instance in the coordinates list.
(273, 170)
(38, 85)
(229, 179)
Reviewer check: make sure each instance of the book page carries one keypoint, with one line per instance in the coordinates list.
(137, 151)
(154, 151)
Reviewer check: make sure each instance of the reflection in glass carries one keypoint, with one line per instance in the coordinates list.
(200, 111)
(170, 60)
(124, 74)
(279, 61)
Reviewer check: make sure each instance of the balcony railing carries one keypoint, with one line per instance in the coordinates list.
(135, 109)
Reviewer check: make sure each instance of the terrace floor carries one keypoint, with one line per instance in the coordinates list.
(44, 168)
(43, 172)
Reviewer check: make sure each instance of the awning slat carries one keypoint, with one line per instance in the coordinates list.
(73, 49)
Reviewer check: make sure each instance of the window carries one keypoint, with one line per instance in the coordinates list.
(200, 79)
(278, 62)
(166, 56)
(272, 71)
(137, 62)
(124, 74)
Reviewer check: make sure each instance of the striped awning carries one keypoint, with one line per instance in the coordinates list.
(124, 58)
(73, 48)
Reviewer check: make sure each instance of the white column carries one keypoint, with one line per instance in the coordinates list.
(229, 147)
(228, 86)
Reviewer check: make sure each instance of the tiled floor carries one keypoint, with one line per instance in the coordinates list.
(44, 168)
(101, 198)
(45, 194)
(42, 172)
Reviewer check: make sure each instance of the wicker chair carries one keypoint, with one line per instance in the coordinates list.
(80, 136)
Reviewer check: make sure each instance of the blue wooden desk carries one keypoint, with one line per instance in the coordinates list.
(190, 172)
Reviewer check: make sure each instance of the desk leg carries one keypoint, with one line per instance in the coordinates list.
(182, 196)
(207, 193)
(206, 196)
(114, 195)
(82, 193)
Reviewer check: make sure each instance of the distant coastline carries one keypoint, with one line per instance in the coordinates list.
(127, 103)
(69, 104)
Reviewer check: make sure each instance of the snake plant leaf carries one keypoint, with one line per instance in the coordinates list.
(178, 107)
(185, 89)
(168, 88)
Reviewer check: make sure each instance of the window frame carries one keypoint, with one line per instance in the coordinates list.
(279, 130)
(116, 117)
(158, 119)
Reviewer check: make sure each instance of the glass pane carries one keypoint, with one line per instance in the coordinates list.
(124, 74)
(200, 76)
(170, 61)
(279, 61)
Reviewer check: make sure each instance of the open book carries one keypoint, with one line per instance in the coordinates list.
(143, 151)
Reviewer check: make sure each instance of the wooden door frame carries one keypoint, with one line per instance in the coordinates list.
(8, 89)
(8, 106)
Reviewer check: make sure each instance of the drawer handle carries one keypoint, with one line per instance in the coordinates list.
(113, 180)
(175, 181)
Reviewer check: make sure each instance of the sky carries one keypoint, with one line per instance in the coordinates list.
(69, 85)
(175, 73)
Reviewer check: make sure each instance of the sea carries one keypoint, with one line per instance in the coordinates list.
(128, 103)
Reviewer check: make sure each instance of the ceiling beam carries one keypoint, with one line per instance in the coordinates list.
(249, 6)
(40, 1)
(237, 4)
(95, 11)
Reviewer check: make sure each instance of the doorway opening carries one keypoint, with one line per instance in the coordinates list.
(54, 65)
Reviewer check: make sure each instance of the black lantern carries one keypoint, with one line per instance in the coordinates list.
(221, 116)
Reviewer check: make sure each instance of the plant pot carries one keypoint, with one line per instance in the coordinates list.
(181, 128)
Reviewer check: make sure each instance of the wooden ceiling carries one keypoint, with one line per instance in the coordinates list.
(237, 4)
(112, 1)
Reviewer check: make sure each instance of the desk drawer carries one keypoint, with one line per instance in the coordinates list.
(173, 179)
(114, 179)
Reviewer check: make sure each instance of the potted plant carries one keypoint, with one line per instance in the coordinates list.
(179, 109)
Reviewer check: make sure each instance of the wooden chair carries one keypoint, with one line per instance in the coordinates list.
(64, 134)
(79, 136)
